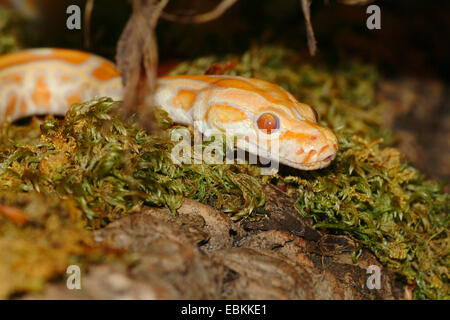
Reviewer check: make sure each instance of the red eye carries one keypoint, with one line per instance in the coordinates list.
(268, 121)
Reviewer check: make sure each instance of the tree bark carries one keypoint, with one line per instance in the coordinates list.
(199, 253)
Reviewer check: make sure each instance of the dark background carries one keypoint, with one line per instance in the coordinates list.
(413, 37)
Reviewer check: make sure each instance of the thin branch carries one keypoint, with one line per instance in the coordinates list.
(356, 2)
(309, 30)
(137, 59)
(87, 20)
(202, 17)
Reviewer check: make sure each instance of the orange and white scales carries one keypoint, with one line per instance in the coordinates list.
(48, 81)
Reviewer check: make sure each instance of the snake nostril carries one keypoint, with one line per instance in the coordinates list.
(329, 158)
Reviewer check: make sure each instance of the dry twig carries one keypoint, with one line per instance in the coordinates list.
(137, 59)
(356, 2)
(309, 30)
(215, 13)
(87, 20)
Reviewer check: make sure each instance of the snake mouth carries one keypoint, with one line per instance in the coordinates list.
(310, 166)
(320, 164)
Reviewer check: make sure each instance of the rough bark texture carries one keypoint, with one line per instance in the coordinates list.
(201, 254)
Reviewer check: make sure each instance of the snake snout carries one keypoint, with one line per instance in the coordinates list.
(328, 148)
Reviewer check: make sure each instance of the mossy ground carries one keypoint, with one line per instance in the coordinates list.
(369, 192)
(110, 168)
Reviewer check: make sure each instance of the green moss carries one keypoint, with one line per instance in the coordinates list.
(369, 191)
(372, 195)
(112, 168)
(53, 237)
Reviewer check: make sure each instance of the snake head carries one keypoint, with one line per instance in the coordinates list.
(302, 144)
(275, 125)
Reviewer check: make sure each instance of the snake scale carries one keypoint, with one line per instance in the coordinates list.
(49, 80)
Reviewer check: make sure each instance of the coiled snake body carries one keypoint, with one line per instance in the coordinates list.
(48, 81)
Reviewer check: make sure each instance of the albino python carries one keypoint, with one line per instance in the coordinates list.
(48, 81)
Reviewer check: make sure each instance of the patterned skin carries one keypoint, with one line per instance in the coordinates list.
(48, 81)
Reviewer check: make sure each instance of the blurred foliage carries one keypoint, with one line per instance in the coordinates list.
(53, 236)
(11, 32)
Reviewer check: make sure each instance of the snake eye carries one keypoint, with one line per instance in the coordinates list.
(316, 115)
(269, 122)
